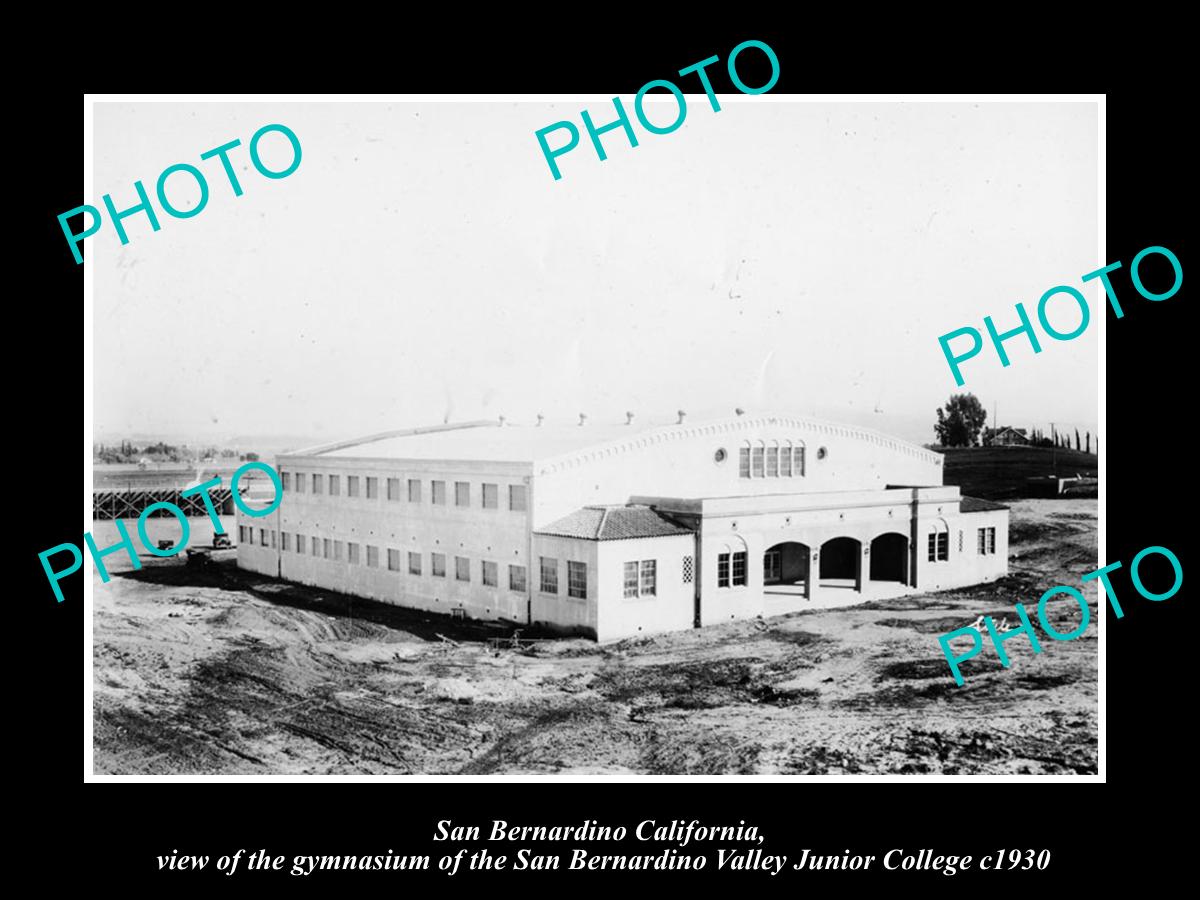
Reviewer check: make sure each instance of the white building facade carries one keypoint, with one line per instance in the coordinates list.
(617, 531)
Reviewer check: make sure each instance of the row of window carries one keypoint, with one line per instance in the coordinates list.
(771, 462)
(939, 544)
(576, 577)
(318, 483)
(352, 553)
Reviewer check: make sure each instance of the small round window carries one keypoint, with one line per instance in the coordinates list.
(822, 453)
(719, 456)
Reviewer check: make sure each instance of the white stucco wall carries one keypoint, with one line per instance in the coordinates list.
(672, 608)
(559, 610)
(680, 462)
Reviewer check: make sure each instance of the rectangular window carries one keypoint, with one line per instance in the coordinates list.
(286, 478)
(328, 548)
(372, 487)
(933, 546)
(437, 565)
(723, 570)
(991, 540)
(352, 553)
(462, 493)
(316, 546)
(798, 461)
(631, 579)
(757, 462)
(649, 577)
(317, 479)
(351, 485)
(299, 482)
(272, 538)
(549, 575)
(516, 579)
(393, 560)
(414, 490)
(577, 580)
(488, 573)
(744, 462)
(337, 550)
(262, 536)
(437, 494)
(689, 568)
(372, 556)
(739, 568)
(772, 462)
(393, 489)
(772, 567)
(491, 496)
(462, 568)
(414, 563)
(299, 543)
(943, 546)
(335, 485)
(516, 497)
(785, 462)
(242, 534)
(286, 540)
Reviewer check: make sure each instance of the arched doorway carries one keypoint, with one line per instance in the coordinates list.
(889, 558)
(786, 569)
(841, 563)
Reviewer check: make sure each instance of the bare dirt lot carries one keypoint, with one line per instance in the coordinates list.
(214, 670)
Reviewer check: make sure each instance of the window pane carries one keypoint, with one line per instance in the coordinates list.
(438, 493)
(516, 578)
(393, 560)
(299, 482)
(299, 543)
(744, 462)
(337, 550)
(723, 570)
(334, 485)
(372, 487)
(932, 547)
(437, 564)
(798, 461)
(491, 494)
(549, 575)
(488, 570)
(785, 462)
(739, 568)
(414, 490)
(462, 568)
(631, 579)
(414, 563)
(649, 577)
(577, 580)
(462, 493)
(316, 546)
(516, 497)
(316, 483)
(351, 485)
(286, 478)
(372, 556)
(393, 488)
(772, 462)
(352, 553)
(757, 460)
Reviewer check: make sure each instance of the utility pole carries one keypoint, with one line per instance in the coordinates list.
(1054, 452)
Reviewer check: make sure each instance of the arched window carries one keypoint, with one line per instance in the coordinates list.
(757, 460)
(773, 460)
(938, 548)
(785, 460)
(731, 564)
(798, 460)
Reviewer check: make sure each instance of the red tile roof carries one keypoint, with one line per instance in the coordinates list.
(613, 523)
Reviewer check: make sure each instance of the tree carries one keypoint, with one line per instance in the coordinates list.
(1087, 445)
(960, 421)
(1077, 447)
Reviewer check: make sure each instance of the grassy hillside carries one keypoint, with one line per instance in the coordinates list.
(1002, 473)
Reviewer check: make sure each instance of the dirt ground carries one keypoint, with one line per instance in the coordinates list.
(220, 671)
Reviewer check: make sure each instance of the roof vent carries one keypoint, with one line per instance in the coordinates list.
(681, 415)
(740, 411)
(502, 420)
(539, 422)
(628, 418)
(583, 418)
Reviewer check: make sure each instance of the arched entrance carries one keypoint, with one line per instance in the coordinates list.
(889, 558)
(786, 569)
(841, 563)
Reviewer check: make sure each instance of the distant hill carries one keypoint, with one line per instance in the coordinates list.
(999, 473)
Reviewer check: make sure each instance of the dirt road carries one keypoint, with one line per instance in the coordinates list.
(223, 671)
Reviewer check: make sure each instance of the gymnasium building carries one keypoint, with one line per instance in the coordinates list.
(616, 530)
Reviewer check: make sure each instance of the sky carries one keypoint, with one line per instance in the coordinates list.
(422, 264)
